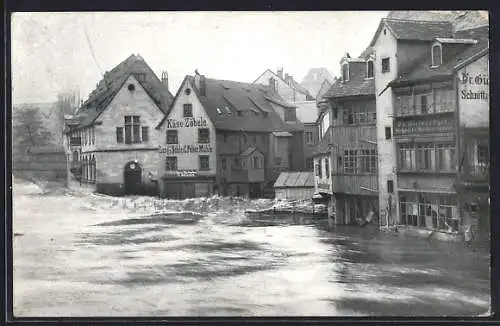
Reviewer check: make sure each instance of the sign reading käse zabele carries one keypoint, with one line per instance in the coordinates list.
(187, 123)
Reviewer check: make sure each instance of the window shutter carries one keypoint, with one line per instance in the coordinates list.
(119, 134)
(145, 134)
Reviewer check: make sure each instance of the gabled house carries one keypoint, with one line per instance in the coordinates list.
(227, 137)
(346, 159)
(398, 46)
(285, 85)
(112, 140)
(422, 157)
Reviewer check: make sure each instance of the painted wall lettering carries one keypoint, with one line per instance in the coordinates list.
(182, 173)
(416, 127)
(186, 149)
(187, 123)
(474, 90)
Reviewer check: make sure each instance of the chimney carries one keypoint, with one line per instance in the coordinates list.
(164, 78)
(279, 72)
(272, 84)
(200, 82)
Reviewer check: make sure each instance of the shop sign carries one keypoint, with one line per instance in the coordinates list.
(186, 123)
(182, 173)
(416, 127)
(186, 149)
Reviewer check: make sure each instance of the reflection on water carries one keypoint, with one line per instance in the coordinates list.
(210, 259)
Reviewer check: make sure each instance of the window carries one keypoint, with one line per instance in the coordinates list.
(255, 163)
(203, 136)
(75, 156)
(187, 110)
(445, 157)
(225, 137)
(385, 65)
(237, 163)
(387, 132)
(119, 134)
(277, 160)
(309, 137)
(187, 91)
(309, 164)
(318, 169)
(132, 129)
(290, 115)
(424, 105)
(423, 156)
(483, 154)
(171, 163)
(369, 69)
(240, 113)
(223, 164)
(204, 165)
(172, 137)
(219, 111)
(245, 138)
(254, 138)
(350, 161)
(327, 168)
(390, 186)
(345, 72)
(368, 158)
(437, 55)
(140, 77)
(353, 115)
(145, 134)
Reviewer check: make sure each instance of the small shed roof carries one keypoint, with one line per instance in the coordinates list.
(295, 180)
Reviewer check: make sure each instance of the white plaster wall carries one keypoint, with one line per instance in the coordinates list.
(188, 135)
(474, 112)
(385, 46)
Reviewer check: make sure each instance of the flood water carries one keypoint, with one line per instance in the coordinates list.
(81, 254)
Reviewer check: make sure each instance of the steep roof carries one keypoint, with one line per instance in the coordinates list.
(295, 180)
(113, 81)
(415, 30)
(424, 72)
(295, 85)
(356, 86)
(461, 19)
(254, 100)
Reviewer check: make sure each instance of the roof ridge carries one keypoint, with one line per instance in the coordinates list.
(420, 21)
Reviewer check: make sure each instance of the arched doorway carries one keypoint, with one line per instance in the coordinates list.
(132, 177)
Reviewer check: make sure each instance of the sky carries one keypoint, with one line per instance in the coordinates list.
(53, 53)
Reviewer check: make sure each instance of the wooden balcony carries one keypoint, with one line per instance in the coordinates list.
(432, 109)
(356, 184)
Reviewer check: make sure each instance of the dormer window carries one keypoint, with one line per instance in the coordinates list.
(345, 72)
(369, 69)
(437, 55)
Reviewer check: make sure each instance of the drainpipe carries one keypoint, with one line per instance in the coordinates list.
(458, 149)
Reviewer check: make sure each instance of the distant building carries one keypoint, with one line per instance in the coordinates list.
(346, 159)
(227, 137)
(111, 143)
(314, 80)
(307, 113)
(285, 85)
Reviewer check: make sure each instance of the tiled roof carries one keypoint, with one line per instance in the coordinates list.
(112, 82)
(357, 86)
(419, 30)
(424, 72)
(295, 180)
(253, 100)
(415, 30)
